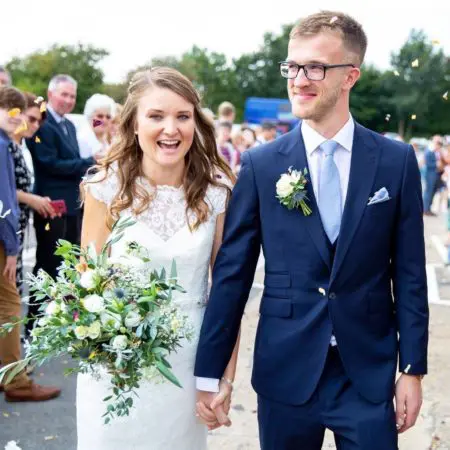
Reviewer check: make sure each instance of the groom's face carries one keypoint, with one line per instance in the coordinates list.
(313, 100)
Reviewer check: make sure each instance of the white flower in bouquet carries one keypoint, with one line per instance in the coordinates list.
(112, 320)
(284, 184)
(119, 342)
(88, 279)
(95, 330)
(175, 324)
(52, 308)
(81, 332)
(94, 303)
(42, 322)
(64, 307)
(133, 319)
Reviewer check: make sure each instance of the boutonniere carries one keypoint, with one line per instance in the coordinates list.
(291, 190)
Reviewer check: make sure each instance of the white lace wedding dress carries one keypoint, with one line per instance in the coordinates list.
(163, 417)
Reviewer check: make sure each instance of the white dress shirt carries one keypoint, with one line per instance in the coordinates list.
(342, 155)
(55, 115)
(315, 156)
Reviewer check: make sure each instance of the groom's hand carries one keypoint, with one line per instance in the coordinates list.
(408, 400)
(212, 408)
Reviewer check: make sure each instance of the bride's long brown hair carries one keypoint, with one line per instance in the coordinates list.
(203, 164)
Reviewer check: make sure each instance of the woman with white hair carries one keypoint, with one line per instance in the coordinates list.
(93, 138)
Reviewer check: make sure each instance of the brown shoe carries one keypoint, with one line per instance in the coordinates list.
(32, 393)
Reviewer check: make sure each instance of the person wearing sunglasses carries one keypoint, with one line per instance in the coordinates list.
(93, 137)
(32, 119)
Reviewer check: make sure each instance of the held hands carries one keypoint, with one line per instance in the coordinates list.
(213, 408)
(408, 400)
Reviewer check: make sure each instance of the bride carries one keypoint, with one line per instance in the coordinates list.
(164, 171)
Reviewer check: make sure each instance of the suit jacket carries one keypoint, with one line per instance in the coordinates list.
(373, 288)
(57, 163)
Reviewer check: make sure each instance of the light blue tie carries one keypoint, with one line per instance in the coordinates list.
(330, 201)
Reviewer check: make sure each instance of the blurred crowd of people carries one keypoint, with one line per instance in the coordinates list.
(43, 158)
(234, 139)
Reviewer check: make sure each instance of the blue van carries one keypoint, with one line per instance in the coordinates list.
(277, 110)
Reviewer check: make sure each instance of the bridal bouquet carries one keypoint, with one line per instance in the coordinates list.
(107, 314)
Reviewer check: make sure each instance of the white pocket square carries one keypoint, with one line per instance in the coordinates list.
(379, 197)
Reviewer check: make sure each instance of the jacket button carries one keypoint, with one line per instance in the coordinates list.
(322, 291)
(332, 296)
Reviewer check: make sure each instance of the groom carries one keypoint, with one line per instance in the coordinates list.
(345, 293)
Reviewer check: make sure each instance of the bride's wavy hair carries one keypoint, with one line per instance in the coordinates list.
(203, 164)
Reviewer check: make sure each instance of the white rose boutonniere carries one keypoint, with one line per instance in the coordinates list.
(291, 190)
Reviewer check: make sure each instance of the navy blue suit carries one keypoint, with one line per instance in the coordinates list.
(365, 291)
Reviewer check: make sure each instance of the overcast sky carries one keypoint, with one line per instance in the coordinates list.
(141, 29)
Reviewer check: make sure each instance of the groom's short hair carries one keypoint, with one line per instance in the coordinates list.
(352, 33)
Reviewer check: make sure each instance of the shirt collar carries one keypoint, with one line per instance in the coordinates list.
(313, 139)
(55, 115)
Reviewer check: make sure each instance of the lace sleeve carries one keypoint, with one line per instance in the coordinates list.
(217, 199)
(102, 187)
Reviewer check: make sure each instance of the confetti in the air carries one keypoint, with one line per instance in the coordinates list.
(47, 227)
(97, 123)
(43, 107)
(396, 73)
(445, 96)
(388, 117)
(436, 42)
(14, 112)
(49, 438)
(39, 100)
(5, 415)
(415, 63)
(37, 140)
(413, 117)
(22, 127)
(333, 19)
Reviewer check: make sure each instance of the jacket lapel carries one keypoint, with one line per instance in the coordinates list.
(363, 168)
(295, 153)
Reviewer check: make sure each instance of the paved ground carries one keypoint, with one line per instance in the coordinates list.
(52, 426)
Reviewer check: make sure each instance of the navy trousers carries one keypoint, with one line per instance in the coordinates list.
(356, 423)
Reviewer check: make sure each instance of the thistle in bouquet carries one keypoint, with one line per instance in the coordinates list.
(107, 314)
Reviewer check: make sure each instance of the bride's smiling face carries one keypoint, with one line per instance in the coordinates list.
(165, 126)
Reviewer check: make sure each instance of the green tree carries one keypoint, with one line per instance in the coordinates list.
(34, 72)
(416, 84)
(208, 71)
(257, 74)
(368, 100)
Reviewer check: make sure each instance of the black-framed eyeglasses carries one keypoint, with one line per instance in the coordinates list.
(314, 72)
